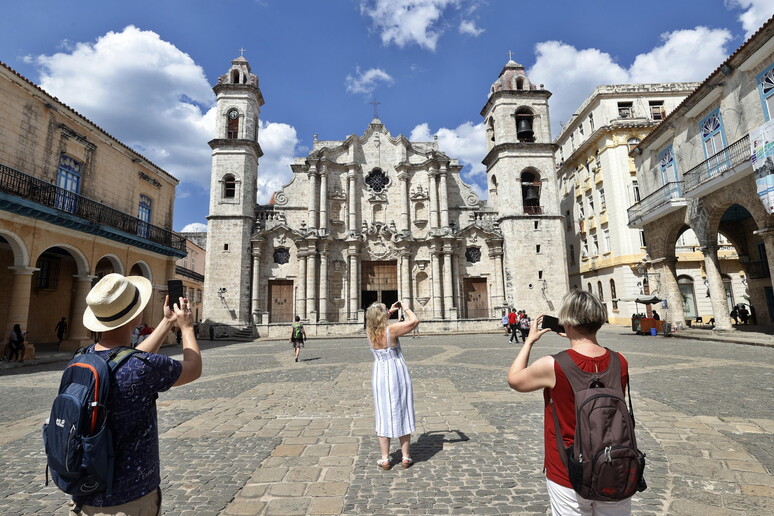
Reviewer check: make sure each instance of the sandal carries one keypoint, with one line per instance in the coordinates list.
(407, 462)
(384, 463)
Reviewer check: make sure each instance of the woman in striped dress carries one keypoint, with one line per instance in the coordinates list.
(391, 383)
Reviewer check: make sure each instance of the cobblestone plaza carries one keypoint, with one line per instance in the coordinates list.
(260, 434)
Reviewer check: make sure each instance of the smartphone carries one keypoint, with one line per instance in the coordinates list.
(175, 290)
(552, 323)
(397, 305)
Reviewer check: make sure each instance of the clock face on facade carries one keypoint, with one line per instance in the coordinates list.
(233, 115)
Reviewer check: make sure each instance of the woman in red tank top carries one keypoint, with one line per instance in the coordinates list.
(582, 315)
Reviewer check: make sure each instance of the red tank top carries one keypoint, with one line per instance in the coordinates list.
(564, 400)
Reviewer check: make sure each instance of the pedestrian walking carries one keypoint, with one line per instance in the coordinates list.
(61, 329)
(114, 309)
(15, 345)
(524, 324)
(513, 326)
(504, 321)
(582, 314)
(744, 315)
(390, 381)
(297, 337)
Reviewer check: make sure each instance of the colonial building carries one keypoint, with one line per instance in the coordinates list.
(190, 270)
(75, 204)
(598, 182)
(376, 217)
(705, 169)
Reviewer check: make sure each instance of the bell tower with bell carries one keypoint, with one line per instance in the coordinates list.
(233, 187)
(522, 186)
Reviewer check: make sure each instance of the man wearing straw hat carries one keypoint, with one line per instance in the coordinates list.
(114, 308)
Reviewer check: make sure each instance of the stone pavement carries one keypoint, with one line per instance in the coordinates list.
(261, 434)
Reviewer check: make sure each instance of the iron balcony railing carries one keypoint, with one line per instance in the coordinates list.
(733, 155)
(33, 189)
(657, 199)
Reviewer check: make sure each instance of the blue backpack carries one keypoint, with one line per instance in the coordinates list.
(77, 440)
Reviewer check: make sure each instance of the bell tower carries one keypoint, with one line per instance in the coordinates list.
(521, 179)
(235, 153)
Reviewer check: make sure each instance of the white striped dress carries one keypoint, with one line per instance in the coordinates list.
(393, 392)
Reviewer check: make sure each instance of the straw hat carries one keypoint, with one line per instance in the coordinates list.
(116, 300)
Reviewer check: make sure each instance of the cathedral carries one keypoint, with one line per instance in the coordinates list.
(376, 217)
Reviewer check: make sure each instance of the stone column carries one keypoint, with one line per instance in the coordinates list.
(669, 289)
(433, 193)
(353, 285)
(314, 199)
(404, 201)
(717, 290)
(436, 268)
(323, 198)
(443, 195)
(448, 290)
(405, 279)
(767, 234)
(323, 314)
(498, 287)
(256, 283)
(352, 199)
(77, 331)
(301, 294)
(19, 306)
(311, 284)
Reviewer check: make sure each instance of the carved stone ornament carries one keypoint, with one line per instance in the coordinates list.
(419, 194)
(380, 248)
(377, 197)
(280, 198)
(472, 199)
(337, 193)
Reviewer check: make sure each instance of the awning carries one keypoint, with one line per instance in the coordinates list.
(643, 300)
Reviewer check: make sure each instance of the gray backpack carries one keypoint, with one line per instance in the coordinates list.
(603, 462)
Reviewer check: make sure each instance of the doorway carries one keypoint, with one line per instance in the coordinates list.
(379, 283)
(280, 301)
(476, 298)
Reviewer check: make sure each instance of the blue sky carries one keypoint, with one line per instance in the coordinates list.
(143, 70)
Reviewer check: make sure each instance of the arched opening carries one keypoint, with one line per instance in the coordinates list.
(379, 213)
(54, 287)
(235, 76)
(613, 295)
(525, 120)
(519, 83)
(420, 213)
(493, 189)
(530, 192)
(107, 265)
(232, 124)
(490, 129)
(423, 290)
(600, 292)
(688, 293)
(229, 186)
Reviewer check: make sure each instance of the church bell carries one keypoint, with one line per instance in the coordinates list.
(532, 193)
(524, 128)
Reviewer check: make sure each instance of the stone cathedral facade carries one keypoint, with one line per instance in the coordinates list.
(376, 217)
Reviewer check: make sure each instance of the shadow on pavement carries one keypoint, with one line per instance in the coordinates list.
(430, 443)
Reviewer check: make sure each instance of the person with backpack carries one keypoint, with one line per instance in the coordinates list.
(587, 472)
(297, 337)
(524, 324)
(107, 402)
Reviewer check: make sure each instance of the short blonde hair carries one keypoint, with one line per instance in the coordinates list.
(376, 320)
(582, 310)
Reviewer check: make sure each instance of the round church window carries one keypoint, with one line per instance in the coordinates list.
(377, 180)
(473, 254)
(281, 255)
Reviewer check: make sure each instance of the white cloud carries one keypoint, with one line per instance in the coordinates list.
(467, 143)
(195, 227)
(419, 22)
(280, 146)
(142, 90)
(366, 82)
(469, 27)
(156, 99)
(571, 74)
(756, 13)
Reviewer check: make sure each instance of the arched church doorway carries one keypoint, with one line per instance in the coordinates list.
(379, 283)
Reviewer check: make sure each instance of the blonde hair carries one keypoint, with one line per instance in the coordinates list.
(376, 320)
(582, 310)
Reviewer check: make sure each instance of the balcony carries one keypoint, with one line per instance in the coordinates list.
(48, 202)
(719, 170)
(665, 200)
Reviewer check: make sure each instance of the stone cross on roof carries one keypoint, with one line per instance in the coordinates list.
(242, 52)
(375, 104)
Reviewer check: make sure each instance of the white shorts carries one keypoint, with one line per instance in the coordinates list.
(566, 502)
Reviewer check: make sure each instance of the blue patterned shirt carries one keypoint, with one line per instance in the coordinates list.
(132, 419)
